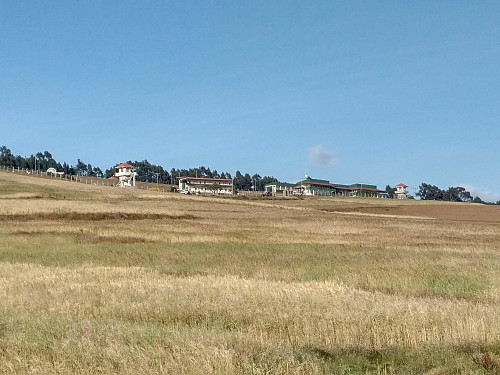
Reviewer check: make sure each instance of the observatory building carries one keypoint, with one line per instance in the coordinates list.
(124, 174)
(401, 192)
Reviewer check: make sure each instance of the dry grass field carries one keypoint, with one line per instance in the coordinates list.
(101, 280)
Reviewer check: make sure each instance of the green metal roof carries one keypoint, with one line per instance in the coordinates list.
(320, 188)
(316, 180)
(309, 179)
(366, 186)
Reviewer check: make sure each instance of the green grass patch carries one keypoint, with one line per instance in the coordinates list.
(55, 344)
(403, 272)
(469, 358)
(455, 285)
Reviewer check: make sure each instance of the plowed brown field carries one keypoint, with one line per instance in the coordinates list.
(459, 211)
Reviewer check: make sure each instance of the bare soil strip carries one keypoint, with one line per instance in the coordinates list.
(92, 216)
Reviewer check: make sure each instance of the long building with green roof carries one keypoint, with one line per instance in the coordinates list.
(316, 187)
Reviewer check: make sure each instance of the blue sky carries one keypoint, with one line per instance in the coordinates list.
(375, 92)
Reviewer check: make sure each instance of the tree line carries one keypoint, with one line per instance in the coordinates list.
(146, 171)
(43, 161)
(452, 194)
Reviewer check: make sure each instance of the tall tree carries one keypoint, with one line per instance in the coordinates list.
(453, 194)
(6, 157)
(457, 194)
(429, 192)
(390, 191)
(81, 168)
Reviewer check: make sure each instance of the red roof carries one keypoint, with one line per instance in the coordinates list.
(205, 179)
(124, 165)
(403, 185)
(113, 178)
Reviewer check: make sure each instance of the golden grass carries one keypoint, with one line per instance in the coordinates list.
(109, 280)
(320, 314)
(223, 315)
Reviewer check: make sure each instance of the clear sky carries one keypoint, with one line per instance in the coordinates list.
(375, 92)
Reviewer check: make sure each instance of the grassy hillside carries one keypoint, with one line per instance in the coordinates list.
(106, 280)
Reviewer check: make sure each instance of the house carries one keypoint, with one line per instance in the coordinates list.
(204, 185)
(281, 188)
(125, 175)
(401, 192)
(316, 187)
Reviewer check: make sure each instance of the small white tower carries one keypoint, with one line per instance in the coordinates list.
(124, 174)
(401, 192)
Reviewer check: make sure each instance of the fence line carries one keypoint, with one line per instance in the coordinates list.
(97, 181)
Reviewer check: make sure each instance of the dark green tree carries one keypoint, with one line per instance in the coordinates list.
(6, 157)
(390, 191)
(81, 168)
(456, 194)
(429, 192)
(266, 180)
(97, 172)
(477, 200)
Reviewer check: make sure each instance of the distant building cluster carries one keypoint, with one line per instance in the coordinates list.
(308, 187)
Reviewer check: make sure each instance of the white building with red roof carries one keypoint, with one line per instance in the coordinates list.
(204, 185)
(401, 192)
(125, 175)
